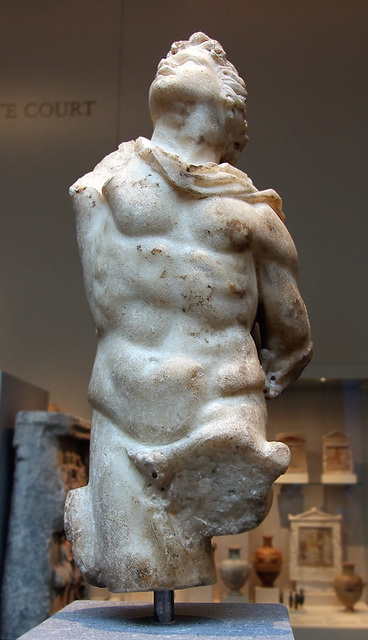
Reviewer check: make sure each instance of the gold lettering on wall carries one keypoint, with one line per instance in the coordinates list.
(8, 110)
(48, 109)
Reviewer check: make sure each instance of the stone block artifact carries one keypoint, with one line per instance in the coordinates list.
(184, 261)
(40, 577)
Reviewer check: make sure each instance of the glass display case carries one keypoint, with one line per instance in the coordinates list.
(317, 408)
(314, 409)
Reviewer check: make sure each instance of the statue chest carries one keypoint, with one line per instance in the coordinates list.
(144, 204)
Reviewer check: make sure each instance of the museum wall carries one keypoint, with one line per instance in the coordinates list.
(74, 81)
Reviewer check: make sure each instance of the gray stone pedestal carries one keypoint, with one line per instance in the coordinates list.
(93, 620)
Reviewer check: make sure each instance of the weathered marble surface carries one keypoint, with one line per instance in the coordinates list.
(40, 577)
(190, 274)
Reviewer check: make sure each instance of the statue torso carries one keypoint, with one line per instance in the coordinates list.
(171, 282)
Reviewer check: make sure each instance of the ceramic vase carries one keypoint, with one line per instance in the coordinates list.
(267, 562)
(348, 586)
(234, 571)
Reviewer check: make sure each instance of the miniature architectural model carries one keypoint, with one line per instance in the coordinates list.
(337, 459)
(297, 471)
(315, 552)
(182, 257)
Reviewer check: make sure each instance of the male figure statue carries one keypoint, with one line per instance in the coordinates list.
(182, 257)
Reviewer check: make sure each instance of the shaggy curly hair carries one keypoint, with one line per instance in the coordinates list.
(233, 93)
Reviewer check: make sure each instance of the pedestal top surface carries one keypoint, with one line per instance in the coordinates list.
(88, 620)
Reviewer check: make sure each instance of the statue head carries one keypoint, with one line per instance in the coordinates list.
(232, 94)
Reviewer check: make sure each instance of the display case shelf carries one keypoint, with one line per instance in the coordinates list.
(322, 484)
(316, 409)
(329, 623)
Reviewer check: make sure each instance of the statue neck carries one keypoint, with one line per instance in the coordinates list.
(195, 134)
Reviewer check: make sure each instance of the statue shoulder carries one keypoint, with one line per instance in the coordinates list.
(104, 170)
(271, 234)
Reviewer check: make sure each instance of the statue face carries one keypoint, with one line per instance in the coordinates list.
(187, 77)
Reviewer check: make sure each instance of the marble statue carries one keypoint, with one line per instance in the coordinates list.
(190, 274)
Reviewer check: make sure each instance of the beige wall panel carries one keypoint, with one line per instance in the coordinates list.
(305, 65)
(59, 74)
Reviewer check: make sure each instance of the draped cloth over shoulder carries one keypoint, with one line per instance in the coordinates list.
(210, 179)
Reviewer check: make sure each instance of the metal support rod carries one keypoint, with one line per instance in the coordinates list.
(163, 607)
